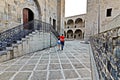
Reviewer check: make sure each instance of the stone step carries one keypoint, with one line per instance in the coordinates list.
(31, 43)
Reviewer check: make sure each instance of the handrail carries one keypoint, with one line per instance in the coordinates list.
(17, 33)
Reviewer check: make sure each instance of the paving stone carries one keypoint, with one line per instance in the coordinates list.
(54, 61)
(41, 67)
(28, 68)
(71, 57)
(22, 76)
(87, 65)
(43, 61)
(55, 75)
(46, 58)
(65, 61)
(8, 63)
(67, 66)
(54, 57)
(29, 54)
(70, 74)
(78, 66)
(54, 67)
(35, 57)
(14, 68)
(21, 62)
(50, 64)
(6, 75)
(25, 57)
(33, 62)
(86, 60)
(38, 54)
(84, 73)
(74, 61)
(62, 56)
(39, 75)
(2, 68)
(86, 79)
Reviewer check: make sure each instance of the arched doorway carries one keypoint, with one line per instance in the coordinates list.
(27, 16)
(78, 34)
(79, 22)
(70, 34)
(70, 23)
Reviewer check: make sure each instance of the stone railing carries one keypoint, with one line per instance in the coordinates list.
(106, 52)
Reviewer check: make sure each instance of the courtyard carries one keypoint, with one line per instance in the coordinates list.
(72, 63)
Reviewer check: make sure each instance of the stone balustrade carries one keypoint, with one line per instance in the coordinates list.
(106, 51)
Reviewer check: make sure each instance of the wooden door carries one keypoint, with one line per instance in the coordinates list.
(25, 16)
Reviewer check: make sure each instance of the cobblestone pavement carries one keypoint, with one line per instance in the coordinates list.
(73, 63)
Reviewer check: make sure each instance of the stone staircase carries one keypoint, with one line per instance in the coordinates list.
(43, 36)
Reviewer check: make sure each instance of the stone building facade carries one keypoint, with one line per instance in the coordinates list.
(75, 27)
(16, 12)
(99, 14)
(103, 24)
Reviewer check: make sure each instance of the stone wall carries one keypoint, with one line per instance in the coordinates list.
(11, 12)
(96, 17)
(33, 42)
(106, 51)
(61, 16)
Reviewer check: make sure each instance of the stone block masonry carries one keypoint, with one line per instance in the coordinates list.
(34, 42)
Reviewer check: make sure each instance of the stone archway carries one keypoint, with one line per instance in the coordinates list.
(78, 23)
(27, 15)
(78, 34)
(70, 23)
(70, 34)
(38, 8)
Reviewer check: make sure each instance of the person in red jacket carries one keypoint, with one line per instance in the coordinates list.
(62, 40)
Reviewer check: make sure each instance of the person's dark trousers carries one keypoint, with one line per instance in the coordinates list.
(62, 45)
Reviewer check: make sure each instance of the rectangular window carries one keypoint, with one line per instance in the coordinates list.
(109, 12)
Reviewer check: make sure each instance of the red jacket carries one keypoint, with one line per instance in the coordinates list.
(62, 38)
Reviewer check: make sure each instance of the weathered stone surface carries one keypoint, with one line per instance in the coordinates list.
(10, 12)
(65, 66)
(70, 74)
(78, 66)
(84, 73)
(22, 76)
(28, 68)
(41, 67)
(6, 75)
(54, 67)
(14, 68)
(39, 75)
(53, 75)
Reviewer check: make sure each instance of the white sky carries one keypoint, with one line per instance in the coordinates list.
(75, 7)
